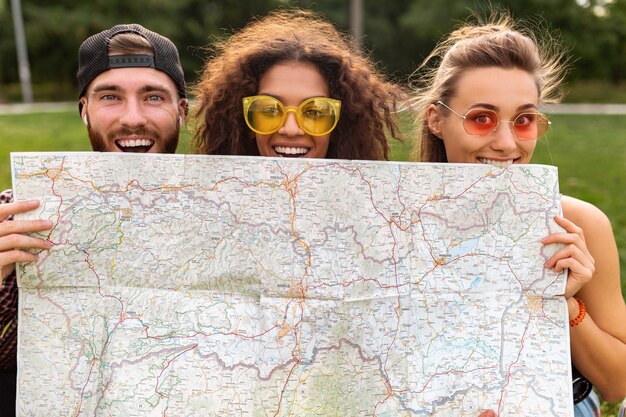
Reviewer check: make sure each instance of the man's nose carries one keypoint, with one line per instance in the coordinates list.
(133, 115)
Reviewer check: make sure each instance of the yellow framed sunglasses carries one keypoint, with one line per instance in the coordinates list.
(316, 116)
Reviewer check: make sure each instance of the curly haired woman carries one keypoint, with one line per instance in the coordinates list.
(293, 62)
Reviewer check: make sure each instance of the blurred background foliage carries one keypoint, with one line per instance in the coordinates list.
(397, 34)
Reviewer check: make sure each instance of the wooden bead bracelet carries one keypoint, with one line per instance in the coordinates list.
(582, 312)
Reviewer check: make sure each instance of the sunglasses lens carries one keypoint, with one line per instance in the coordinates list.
(530, 126)
(265, 115)
(317, 116)
(480, 122)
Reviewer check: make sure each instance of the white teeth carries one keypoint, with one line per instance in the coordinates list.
(290, 151)
(496, 163)
(131, 143)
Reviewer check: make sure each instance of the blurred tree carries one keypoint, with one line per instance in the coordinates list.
(397, 34)
(56, 30)
(207, 21)
(579, 27)
(430, 22)
(394, 48)
(8, 57)
(593, 30)
(613, 52)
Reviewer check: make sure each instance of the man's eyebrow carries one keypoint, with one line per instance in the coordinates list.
(152, 88)
(106, 87)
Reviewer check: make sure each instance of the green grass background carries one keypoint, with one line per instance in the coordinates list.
(589, 150)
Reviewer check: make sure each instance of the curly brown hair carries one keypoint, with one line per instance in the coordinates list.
(497, 41)
(369, 101)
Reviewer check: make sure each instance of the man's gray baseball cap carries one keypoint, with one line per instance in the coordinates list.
(94, 58)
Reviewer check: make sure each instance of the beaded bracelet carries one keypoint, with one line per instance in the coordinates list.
(582, 312)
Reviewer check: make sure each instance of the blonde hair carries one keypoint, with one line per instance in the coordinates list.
(495, 43)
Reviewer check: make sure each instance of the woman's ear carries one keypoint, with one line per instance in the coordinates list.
(434, 120)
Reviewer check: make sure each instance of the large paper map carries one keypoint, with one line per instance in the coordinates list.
(241, 286)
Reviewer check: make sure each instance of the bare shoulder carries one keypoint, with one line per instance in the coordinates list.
(603, 294)
(585, 215)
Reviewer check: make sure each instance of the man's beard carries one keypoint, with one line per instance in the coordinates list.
(168, 142)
